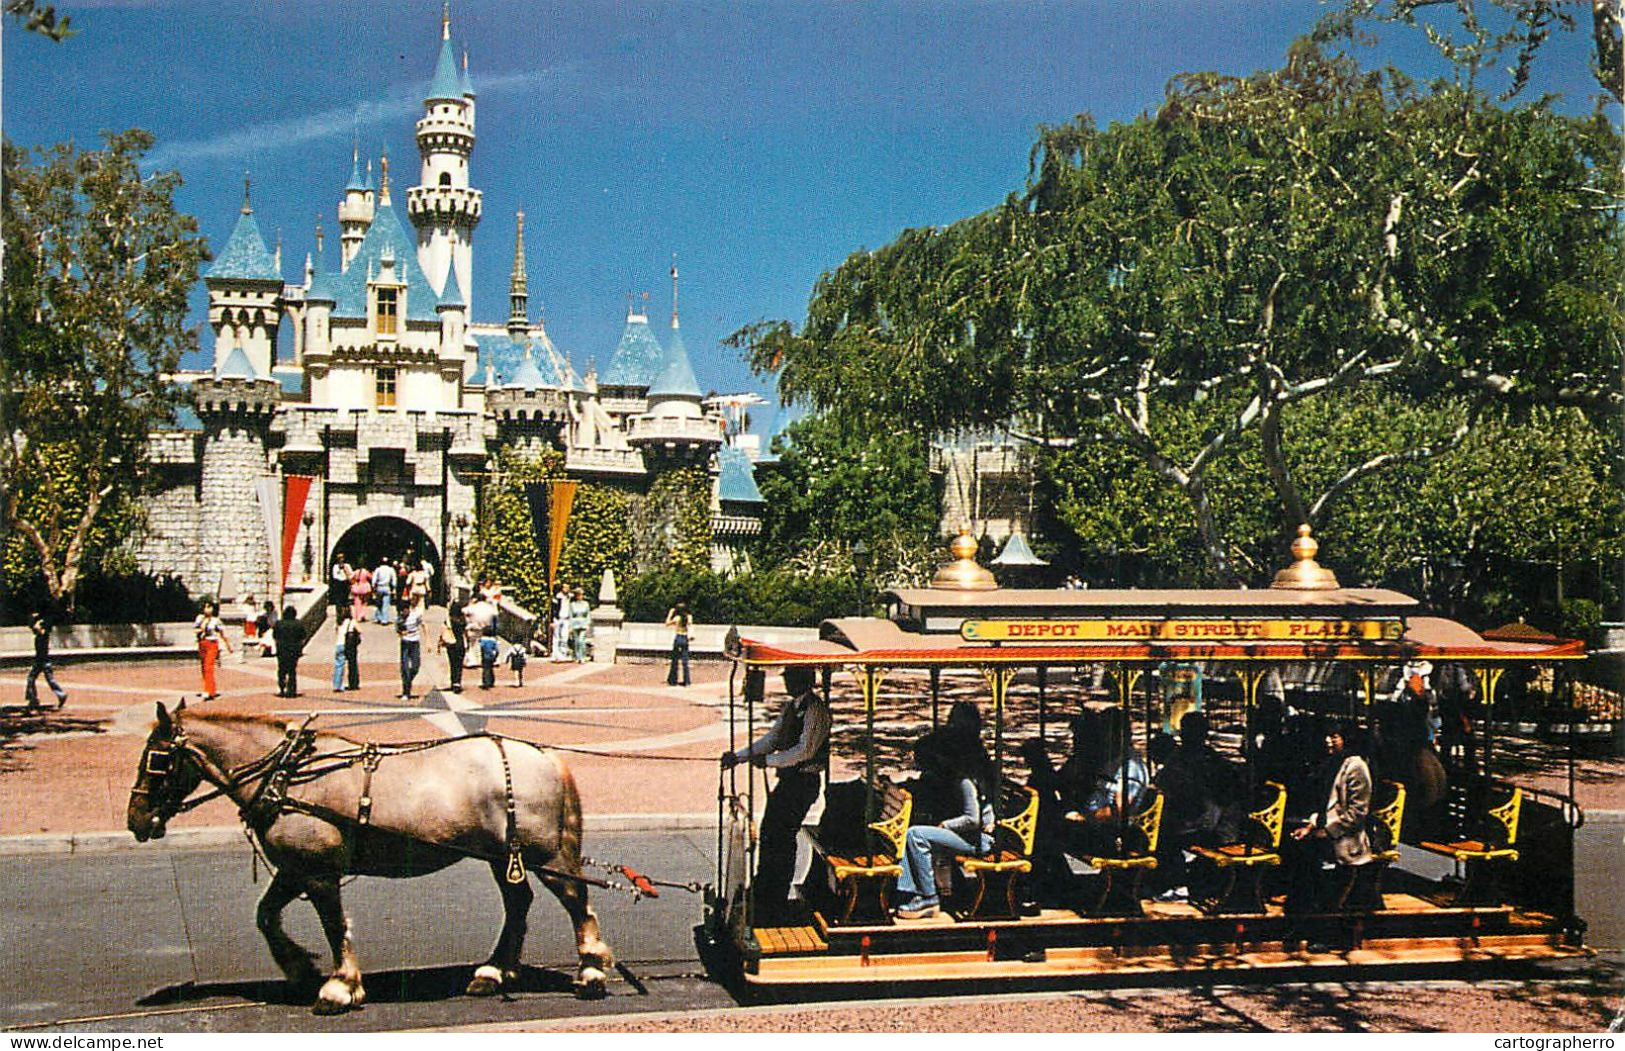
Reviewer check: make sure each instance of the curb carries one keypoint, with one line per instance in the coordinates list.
(67, 843)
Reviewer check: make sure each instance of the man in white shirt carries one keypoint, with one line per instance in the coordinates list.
(383, 585)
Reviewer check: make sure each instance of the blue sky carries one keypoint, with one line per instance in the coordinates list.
(760, 142)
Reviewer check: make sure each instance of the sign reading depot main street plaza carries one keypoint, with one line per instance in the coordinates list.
(1157, 629)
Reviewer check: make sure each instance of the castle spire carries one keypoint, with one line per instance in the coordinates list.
(247, 208)
(383, 178)
(518, 290)
(674, 290)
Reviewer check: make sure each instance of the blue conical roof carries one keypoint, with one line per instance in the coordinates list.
(385, 233)
(527, 376)
(245, 257)
(446, 84)
(676, 376)
(321, 285)
(466, 83)
(237, 366)
(736, 479)
(356, 181)
(451, 297)
(637, 359)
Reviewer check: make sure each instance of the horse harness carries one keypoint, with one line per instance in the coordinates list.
(295, 761)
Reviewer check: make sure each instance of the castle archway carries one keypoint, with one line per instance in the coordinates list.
(371, 540)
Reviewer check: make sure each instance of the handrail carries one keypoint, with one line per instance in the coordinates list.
(1573, 813)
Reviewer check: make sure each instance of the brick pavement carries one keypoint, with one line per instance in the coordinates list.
(70, 772)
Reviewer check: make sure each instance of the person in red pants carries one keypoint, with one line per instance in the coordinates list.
(211, 635)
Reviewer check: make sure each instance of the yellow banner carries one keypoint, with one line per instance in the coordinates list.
(1149, 629)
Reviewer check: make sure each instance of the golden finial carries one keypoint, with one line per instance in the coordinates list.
(963, 573)
(445, 20)
(247, 209)
(1305, 574)
(383, 178)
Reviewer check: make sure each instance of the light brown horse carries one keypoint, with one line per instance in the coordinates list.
(323, 806)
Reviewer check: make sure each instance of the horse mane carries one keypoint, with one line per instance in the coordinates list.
(226, 717)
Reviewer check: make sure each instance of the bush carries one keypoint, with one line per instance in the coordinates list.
(771, 598)
(125, 598)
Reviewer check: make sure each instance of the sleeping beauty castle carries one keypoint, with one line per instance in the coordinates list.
(376, 430)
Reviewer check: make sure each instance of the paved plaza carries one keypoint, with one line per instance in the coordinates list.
(635, 745)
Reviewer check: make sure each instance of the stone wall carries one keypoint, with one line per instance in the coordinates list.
(231, 529)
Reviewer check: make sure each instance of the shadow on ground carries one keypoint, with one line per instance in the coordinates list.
(415, 985)
(19, 722)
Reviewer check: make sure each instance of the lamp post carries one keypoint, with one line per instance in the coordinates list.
(309, 556)
(860, 565)
(461, 521)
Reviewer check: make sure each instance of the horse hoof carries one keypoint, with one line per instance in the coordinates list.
(337, 997)
(487, 982)
(590, 984)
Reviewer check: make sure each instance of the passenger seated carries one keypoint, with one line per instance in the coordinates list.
(1336, 834)
(959, 757)
(936, 791)
(1051, 878)
(1095, 822)
(1202, 801)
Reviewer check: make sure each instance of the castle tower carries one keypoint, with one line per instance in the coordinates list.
(518, 292)
(443, 207)
(676, 429)
(245, 296)
(236, 408)
(355, 211)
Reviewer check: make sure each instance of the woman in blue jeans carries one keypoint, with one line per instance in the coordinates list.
(960, 758)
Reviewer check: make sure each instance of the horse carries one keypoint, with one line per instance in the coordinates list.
(323, 806)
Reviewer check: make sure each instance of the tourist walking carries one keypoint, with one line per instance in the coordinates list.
(352, 651)
(360, 591)
(265, 627)
(341, 654)
(289, 635)
(488, 656)
(211, 635)
(383, 586)
(42, 662)
(411, 630)
(453, 643)
(580, 624)
(678, 620)
(338, 586)
(561, 625)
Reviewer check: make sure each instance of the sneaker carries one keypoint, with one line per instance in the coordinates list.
(62, 700)
(917, 909)
(1175, 894)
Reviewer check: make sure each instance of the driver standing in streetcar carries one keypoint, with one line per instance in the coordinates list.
(797, 747)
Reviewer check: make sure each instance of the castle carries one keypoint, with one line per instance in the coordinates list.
(395, 402)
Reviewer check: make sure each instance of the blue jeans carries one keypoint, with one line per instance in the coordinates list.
(43, 667)
(679, 652)
(411, 661)
(338, 667)
(385, 616)
(918, 846)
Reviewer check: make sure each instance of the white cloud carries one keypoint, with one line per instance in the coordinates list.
(247, 143)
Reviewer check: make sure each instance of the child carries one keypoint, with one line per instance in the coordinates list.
(516, 663)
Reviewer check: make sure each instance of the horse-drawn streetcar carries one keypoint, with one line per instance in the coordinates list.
(1424, 860)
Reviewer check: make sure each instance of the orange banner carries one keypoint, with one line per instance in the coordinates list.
(293, 508)
(560, 495)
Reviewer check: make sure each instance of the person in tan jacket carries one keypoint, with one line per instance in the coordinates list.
(1335, 834)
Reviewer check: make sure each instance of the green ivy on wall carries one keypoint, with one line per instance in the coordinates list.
(597, 538)
(671, 525)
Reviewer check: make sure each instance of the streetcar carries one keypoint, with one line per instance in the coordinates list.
(1468, 870)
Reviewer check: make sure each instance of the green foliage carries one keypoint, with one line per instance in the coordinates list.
(671, 524)
(1181, 290)
(597, 538)
(504, 547)
(40, 18)
(776, 598)
(836, 483)
(99, 267)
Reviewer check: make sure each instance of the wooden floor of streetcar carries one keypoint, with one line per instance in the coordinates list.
(1172, 938)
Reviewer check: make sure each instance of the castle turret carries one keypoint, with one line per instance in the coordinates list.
(245, 296)
(676, 425)
(443, 207)
(355, 211)
(236, 406)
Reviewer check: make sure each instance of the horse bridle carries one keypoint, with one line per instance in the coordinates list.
(161, 762)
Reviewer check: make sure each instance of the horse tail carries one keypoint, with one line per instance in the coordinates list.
(569, 819)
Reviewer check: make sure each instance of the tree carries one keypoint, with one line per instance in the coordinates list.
(40, 18)
(99, 265)
(838, 483)
(1180, 286)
